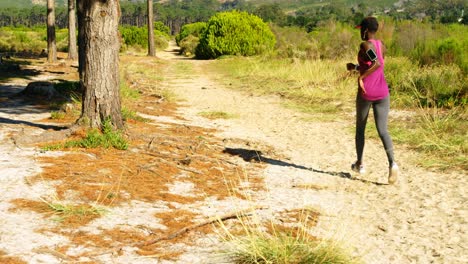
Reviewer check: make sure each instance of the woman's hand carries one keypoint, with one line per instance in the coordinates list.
(361, 85)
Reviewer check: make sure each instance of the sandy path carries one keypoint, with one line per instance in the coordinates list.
(421, 220)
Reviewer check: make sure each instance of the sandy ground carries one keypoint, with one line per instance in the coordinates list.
(420, 220)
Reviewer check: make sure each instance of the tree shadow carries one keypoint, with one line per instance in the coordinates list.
(15, 68)
(256, 155)
(179, 56)
(15, 101)
(22, 122)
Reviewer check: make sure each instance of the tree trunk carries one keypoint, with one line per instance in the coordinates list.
(51, 45)
(72, 49)
(151, 50)
(99, 40)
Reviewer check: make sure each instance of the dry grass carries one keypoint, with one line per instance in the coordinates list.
(286, 239)
(6, 259)
(216, 115)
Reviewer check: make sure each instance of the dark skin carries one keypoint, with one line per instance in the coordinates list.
(365, 45)
(363, 73)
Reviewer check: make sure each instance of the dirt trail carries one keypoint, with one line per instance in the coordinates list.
(421, 220)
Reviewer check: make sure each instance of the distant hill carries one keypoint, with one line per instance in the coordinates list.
(300, 4)
(16, 3)
(289, 4)
(27, 3)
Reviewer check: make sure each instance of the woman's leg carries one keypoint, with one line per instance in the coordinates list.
(381, 109)
(362, 112)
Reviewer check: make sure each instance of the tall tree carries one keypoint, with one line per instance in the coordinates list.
(51, 41)
(72, 48)
(98, 35)
(151, 50)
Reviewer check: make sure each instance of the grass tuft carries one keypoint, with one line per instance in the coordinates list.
(286, 249)
(65, 211)
(287, 243)
(216, 115)
(130, 114)
(57, 115)
(108, 138)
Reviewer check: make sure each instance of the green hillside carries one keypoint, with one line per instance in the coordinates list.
(286, 4)
(292, 5)
(16, 3)
(25, 3)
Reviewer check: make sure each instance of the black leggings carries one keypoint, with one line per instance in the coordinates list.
(381, 109)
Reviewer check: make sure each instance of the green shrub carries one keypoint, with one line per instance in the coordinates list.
(128, 114)
(188, 45)
(109, 138)
(57, 115)
(194, 29)
(16, 39)
(294, 42)
(398, 75)
(62, 40)
(437, 85)
(159, 26)
(429, 43)
(134, 35)
(452, 50)
(336, 39)
(138, 36)
(235, 33)
(441, 86)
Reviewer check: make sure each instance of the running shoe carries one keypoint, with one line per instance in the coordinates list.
(393, 173)
(359, 169)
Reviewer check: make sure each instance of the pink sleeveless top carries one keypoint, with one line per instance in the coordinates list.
(375, 84)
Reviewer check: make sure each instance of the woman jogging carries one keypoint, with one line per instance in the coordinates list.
(372, 91)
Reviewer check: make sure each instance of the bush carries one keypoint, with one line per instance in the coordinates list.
(134, 35)
(428, 43)
(235, 33)
(294, 42)
(336, 39)
(432, 86)
(194, 29)
(440, 86)
(108, 138)
(159, 26)
(138, 36)
(450, 50)
(23, 39)
(188, 45)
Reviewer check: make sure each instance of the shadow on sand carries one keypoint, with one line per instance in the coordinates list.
(22, 122)
(255, 155)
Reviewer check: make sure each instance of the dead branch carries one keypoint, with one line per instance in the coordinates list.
(189, 170)
(45, 250)
(237, 214)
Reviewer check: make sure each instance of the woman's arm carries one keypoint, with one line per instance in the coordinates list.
(365, 46)
(375, 64)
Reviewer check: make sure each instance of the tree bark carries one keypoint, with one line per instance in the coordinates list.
(151, 50)
(51, 44)
(99, 45)
(72, 48)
